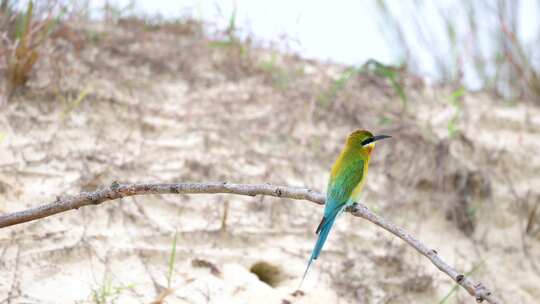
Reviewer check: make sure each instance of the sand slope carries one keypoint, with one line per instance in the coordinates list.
(167, 104)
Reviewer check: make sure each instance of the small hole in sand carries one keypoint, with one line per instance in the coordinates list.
(268, 273)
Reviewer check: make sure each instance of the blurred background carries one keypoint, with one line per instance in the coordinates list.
(255, 92)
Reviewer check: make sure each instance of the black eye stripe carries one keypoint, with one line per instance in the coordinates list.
(374, 138)
(367, 141)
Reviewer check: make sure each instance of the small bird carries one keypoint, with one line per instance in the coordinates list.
(347, 178)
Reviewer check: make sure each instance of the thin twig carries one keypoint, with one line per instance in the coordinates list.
(116, 190)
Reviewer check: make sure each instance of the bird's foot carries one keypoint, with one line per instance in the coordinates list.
(352, 207)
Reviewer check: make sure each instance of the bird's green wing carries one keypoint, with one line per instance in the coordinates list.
(341, 186)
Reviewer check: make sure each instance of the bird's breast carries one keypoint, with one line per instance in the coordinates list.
(355, 195)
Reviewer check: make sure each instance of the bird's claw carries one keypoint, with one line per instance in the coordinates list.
(352, 207)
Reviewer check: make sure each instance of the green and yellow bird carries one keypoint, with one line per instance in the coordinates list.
(347, 178)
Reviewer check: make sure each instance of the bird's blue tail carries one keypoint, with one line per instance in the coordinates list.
(323, 230)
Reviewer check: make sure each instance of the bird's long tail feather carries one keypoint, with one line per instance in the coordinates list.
(323, 230)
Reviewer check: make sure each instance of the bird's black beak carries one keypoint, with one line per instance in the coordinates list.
(374, 139)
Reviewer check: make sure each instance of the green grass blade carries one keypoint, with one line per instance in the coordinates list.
(172, 259)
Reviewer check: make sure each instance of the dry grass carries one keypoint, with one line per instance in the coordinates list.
(24, 38)
(495, 51)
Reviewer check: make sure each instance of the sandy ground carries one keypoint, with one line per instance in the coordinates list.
(135, 104)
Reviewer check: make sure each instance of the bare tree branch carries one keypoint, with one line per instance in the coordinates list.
(116, 190)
